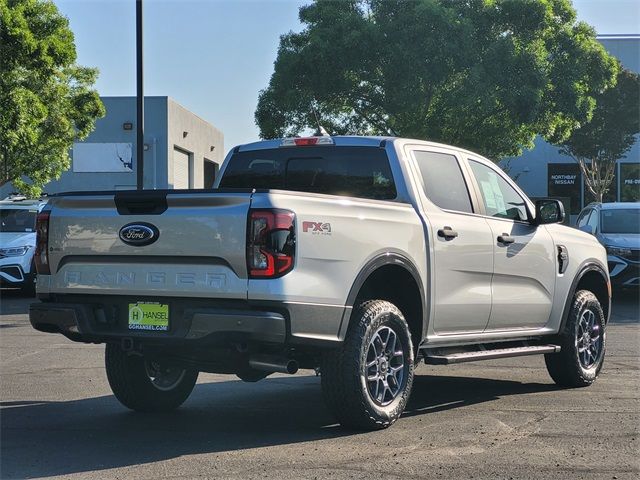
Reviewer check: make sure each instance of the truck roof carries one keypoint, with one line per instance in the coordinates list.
(22, 203)
(353, 141)
(350, 141)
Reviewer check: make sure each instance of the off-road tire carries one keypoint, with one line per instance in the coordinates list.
(343, 385)
(132, 386)
(565, 367)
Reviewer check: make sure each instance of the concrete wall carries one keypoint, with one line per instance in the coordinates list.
(165, 124)
(195, 136)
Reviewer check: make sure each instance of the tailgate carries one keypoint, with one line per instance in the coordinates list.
(199, 249)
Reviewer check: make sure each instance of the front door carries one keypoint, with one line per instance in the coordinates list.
(524, 256)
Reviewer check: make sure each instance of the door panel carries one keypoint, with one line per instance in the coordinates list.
(523, 278)
(462, 273)
(461, 245)
(524, 254)
(181, 173)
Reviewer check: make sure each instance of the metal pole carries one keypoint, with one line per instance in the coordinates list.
(140, 99)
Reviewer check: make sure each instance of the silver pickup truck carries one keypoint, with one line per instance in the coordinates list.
(357, 256)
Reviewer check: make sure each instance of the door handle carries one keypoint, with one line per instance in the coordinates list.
(506, 239)
(447, 233)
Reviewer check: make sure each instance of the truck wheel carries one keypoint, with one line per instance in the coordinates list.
(367, 381)
(146, 386)
(582, 344)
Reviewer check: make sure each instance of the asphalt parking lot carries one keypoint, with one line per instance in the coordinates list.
(501, 419)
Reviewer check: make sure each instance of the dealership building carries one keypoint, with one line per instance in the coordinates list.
(544, 172)
(181, 150)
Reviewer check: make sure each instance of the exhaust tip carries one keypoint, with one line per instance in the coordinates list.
(273, 364)
(292, 367)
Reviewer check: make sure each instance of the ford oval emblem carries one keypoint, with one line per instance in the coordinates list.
(139, 234)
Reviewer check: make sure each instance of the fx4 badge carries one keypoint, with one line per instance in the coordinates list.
(316, 228)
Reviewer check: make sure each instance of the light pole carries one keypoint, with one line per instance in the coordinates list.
(139, 100)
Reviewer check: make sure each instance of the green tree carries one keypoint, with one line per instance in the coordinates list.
(488, 75)
(46, 100)
(597, 145)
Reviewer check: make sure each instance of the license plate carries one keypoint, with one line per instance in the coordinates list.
(148, 316)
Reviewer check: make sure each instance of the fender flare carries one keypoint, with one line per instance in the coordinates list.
(584, 269)
(378, 261)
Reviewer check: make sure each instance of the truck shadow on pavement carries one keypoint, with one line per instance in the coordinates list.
(42, 439)
(14, 302)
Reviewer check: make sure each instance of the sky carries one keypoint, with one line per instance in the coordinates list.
(214, 56)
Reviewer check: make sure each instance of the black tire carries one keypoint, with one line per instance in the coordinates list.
(28, 288)
(347, 392)
(575, 365)
(131, 383)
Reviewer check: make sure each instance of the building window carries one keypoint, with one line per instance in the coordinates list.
(182, 169)
(630, 182)
(210, 172)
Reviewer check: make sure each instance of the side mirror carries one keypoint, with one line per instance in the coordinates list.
(549, 210)
(587, 229)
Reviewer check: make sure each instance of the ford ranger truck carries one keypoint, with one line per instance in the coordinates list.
(357, 256)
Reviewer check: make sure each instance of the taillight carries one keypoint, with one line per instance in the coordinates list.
(41, 256)
(271, 243)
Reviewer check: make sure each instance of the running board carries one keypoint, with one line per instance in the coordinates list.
(462, 357)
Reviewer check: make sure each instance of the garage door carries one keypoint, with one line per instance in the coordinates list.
(180, 168)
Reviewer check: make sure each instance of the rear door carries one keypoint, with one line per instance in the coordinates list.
(460, 241)
(524, 255)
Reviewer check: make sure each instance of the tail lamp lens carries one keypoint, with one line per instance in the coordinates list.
(270, 243)
(41, 256)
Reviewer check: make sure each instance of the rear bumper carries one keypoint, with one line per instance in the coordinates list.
(103, 323)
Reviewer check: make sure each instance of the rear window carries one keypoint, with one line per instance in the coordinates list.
(362, 172)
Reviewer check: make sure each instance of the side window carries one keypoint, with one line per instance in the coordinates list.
(500, 199)
(583, 219)
(593, 220)
(443, 182)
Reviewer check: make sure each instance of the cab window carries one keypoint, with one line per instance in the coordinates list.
(500, 199)
(442, 181)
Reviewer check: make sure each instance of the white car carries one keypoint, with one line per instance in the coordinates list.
(17, 242)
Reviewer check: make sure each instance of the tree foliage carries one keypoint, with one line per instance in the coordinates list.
(597, 145)
(46, 99)
(488, 75)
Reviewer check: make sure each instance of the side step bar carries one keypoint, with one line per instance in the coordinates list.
(462, 357)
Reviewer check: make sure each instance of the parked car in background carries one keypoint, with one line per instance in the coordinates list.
(617, 227)
(18, 242)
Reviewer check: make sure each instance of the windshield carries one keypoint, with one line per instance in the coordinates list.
(351, 171)
(625, 220)
(17, 220)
